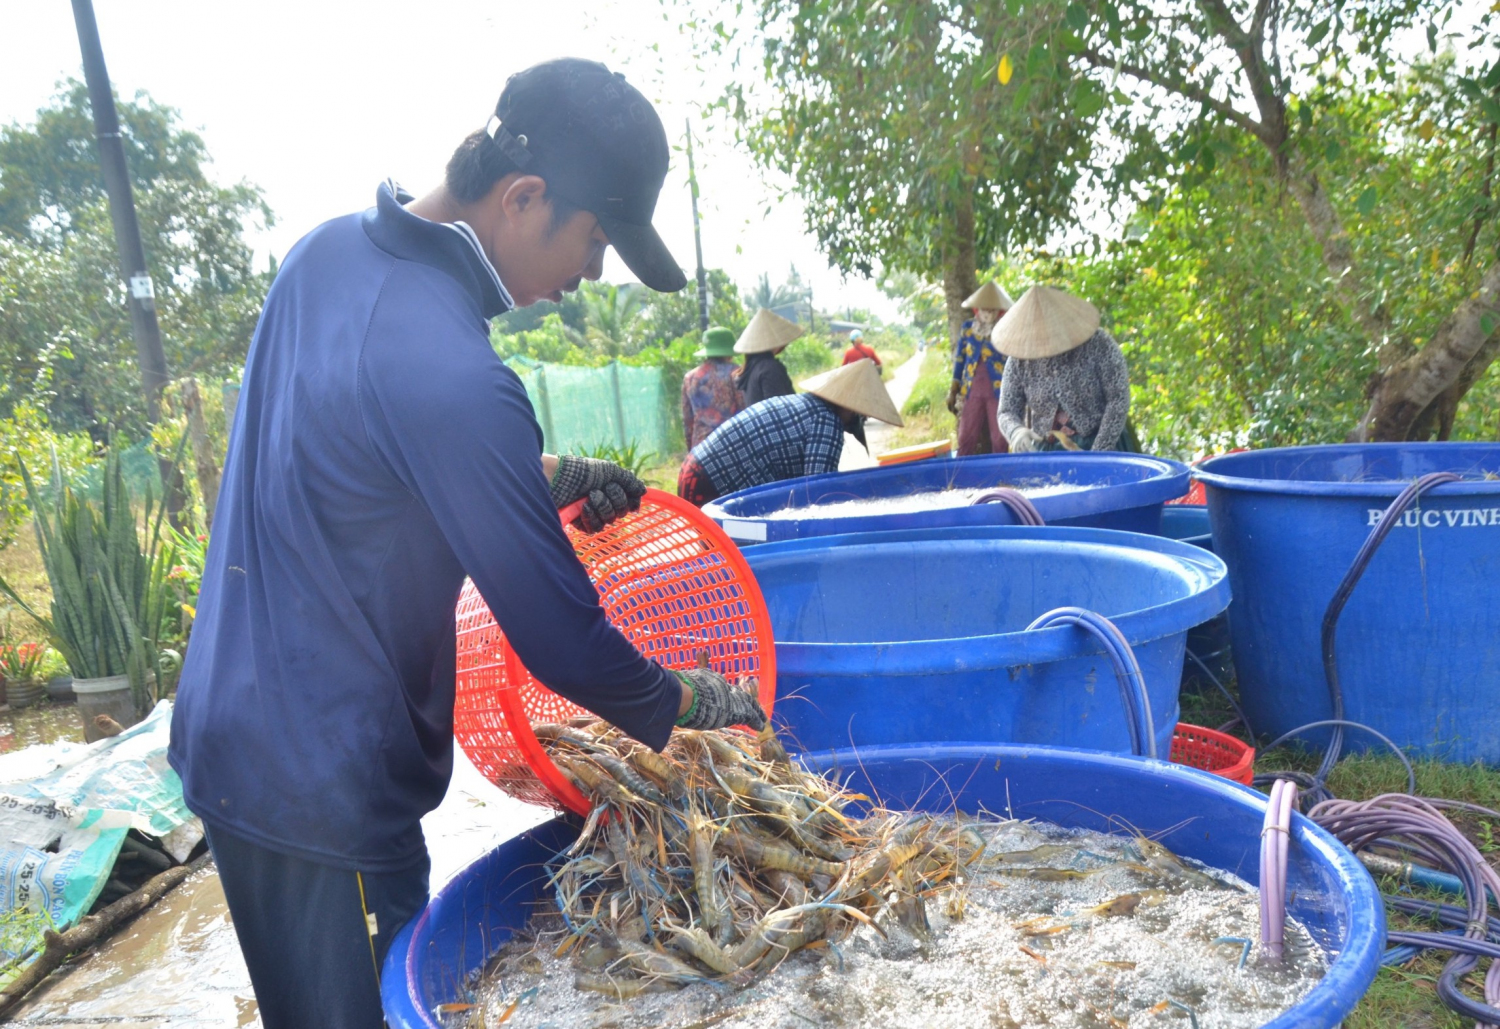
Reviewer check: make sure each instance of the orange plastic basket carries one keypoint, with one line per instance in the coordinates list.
(916, 452)
(670, 580)
(1213, 751)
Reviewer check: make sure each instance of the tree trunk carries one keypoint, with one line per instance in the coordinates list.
(205, 461)
(959, 280)
(1457, 355)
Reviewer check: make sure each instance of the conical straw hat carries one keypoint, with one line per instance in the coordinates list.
(990, 297)
(767, 331)
(1045, 322)
(856, 386)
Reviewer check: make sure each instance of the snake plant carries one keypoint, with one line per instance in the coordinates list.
(109, 589)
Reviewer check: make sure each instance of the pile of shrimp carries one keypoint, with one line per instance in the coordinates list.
(720, 857)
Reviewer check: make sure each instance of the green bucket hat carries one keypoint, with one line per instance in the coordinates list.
(717, 342)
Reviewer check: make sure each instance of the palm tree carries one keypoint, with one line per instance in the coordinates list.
(767, 296)
(610, 314)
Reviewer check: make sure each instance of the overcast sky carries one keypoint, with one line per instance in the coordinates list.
(317, 102)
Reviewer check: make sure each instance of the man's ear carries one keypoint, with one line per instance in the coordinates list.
(522, 196)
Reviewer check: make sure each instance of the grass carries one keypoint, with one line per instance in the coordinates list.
(1403, 997)
(661, 472)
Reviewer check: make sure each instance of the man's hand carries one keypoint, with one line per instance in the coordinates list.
(608, 490)
(716, 703)
(953, 399)
(1025, 441)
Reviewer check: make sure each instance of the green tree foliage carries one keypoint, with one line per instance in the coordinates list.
(920, 301)
(1218, 292)
(1186, 84)
(65, 339)
(550, 341)
(602, 322)
(905, 147)
(52, 167)
(611, 313)
(672, 315)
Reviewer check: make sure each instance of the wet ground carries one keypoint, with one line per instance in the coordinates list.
(178, 965)
(45, 723)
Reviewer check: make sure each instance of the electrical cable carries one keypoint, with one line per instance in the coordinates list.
(1238, 711)
(1411, 775)
(1019, 503)
(1133, 695)
(1329, 635)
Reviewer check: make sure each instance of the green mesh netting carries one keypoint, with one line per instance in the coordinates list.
(581, 408)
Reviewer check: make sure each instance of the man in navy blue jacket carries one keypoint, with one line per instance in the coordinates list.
(380, 453)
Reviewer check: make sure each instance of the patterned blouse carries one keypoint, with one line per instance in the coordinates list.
(972, 349)
(709, 399)
(1084, 392)
(780, 438)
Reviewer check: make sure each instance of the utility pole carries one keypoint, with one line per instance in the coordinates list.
(141, 296)
(697, 236)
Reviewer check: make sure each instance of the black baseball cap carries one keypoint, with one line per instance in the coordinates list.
(600, 145)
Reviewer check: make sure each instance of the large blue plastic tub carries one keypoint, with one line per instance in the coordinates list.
(1418, 643)
(920, 635)
(1122, 491)
(1197, 815)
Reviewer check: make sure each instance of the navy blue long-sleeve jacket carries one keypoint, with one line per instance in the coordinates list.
(380, 452)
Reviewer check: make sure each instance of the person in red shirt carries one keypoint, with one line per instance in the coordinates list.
(859, 350)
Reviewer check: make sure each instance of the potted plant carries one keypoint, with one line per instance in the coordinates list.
(54, 672)
(109, 592)
(21, 663)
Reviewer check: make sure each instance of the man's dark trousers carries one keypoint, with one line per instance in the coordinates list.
(304, 929)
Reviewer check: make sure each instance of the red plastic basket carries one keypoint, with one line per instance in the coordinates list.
(1197, 496)
(670, 580)
(1213, 751)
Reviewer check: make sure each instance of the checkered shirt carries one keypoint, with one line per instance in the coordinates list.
(779, 438)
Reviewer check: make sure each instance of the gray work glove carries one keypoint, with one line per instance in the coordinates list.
(608, 490)
(717, 704)
(1025, 441)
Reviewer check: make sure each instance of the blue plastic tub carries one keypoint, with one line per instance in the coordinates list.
(920, 635)
(1122, 491)
(1197, 815)
(1418, 642)
(1188, 523)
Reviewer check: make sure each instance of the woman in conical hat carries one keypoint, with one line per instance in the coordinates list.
(787, 437)
(709, 395)
(977, 369)
(764, 376)
(1066, 383)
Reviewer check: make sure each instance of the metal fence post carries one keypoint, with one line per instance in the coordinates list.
(549, 434)
(614, 384)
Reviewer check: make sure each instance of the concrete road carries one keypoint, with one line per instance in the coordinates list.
(899, 386)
